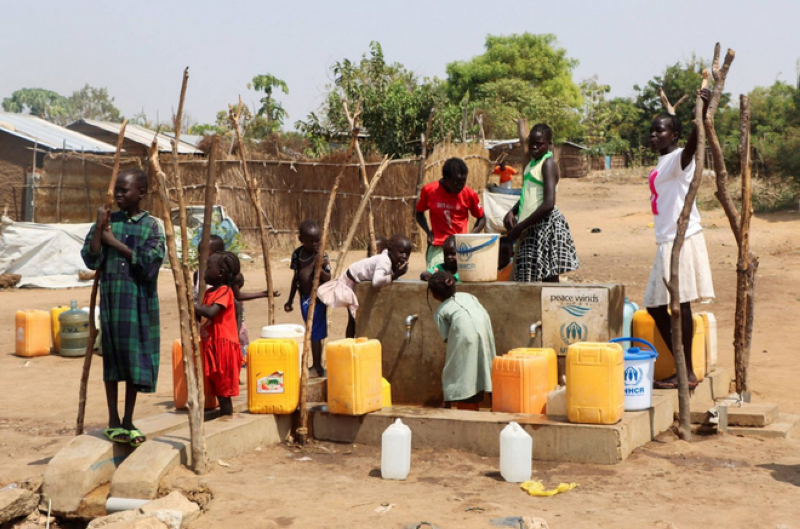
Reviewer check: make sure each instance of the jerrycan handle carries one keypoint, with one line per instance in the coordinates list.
(632, 339)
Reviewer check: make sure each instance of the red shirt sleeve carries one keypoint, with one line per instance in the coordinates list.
(475, 204)
(422, 203)
(497, 170)
(223, 296)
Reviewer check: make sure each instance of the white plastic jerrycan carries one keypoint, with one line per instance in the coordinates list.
(516, 454)
(396, 451)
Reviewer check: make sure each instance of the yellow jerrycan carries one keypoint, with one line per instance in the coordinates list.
(32, 333)
(552, 362)
(644, 327)
(595, 383)
(55, 327)
(355, 385)
(273, 376)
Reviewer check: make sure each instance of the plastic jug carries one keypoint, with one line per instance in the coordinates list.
(645, 328)
(32, 333)
(287, 331)
(710, 328)
(179, 392)
(55, 328)
(520, 384)
(273, 376)
(595, 383)
(396, 451)
(516, 454)
(386, 394)
(552, 361)
(628, 311)
(354, 376)
(639, 371)
(557, 402)
(74, 331)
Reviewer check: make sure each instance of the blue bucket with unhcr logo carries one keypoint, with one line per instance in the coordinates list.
(639, 370)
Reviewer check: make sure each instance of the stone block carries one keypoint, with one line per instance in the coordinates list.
(16, 503)
(174, 501)
(748, 414)
(784, 427)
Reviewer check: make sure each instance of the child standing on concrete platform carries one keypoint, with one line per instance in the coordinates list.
(127, 248)
(302, 262)
(467, 329)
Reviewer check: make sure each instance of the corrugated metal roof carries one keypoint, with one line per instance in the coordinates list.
(141, 135)
(191, 139)
(50, 135)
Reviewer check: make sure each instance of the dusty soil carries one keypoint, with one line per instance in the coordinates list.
(719, 481)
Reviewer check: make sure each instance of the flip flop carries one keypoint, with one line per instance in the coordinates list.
(114, 434)
(137, 434)
(660, 384)
(693, 385)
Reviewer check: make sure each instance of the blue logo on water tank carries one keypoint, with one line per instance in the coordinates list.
(633, 375)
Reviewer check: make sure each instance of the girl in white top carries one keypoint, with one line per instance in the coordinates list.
(669, 183)
(380, 270)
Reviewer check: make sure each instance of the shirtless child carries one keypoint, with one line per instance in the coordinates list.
(302, 262)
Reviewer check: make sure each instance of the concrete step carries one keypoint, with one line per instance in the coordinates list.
(140, 474)
(749, 414)
(715, 386)
(784, 427)
(479, 432)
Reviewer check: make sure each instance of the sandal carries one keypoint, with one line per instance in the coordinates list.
(116, 435)
(137, 438)
(660, 384)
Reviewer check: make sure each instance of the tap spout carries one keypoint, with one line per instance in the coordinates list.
(534, 327)
(411, 319)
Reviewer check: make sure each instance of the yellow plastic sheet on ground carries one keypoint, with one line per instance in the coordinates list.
(536, 488)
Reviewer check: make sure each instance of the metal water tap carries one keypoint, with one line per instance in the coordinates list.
(534, 326)
(411, 319)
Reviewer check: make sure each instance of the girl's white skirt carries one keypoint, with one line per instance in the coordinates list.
(340, 292)
(695, 273)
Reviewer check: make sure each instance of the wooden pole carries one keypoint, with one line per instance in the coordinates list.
(365, 200)
(205, 237)
(60, 182)
(255, 200)
(87, 357)
(86, 185)
(189, 369)
(192, 347)
(685, 422)
(302, 430)
(364, 183)
(522, 132)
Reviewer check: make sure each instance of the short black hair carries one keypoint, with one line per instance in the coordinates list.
(449, 240)
(544, 130)
(139, 176)
(308, 226)
(215, 239)
(229, 265)
(453, 168)
(442, 284)
(673, 121)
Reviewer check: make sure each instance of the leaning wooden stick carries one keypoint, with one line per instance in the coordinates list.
(673, 285)
(189, 369)
(365, 201)
(255, 199)
(205, 237)
(87, 358)
(192, 347)
(364, 182)
(302, 430)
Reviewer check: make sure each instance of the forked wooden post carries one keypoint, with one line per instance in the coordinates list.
(364, 182)
(255, 200)
(87, 357)
(205, 237)
(302, 430)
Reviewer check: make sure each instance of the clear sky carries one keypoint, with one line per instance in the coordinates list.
(138, 49)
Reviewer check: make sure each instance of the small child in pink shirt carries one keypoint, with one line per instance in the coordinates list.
(379, 269)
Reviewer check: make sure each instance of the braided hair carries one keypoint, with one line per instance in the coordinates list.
(673, 121)
(442, 284)
(229, 266)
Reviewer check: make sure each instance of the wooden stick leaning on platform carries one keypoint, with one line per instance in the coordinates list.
(365, 200)
(87, 357)
(685, 419)
(187, 274)
(255, 200)
(364, 182)
(189, 370)
(302, 430)
(205, 237)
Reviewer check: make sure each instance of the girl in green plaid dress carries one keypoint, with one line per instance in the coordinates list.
(127, 248)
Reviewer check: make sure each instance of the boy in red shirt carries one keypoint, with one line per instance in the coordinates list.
(450, 203)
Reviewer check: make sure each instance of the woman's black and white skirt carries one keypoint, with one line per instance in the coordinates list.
(546, 249)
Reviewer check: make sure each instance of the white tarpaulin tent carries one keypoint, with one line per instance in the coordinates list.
(45, 255)
(495, 208)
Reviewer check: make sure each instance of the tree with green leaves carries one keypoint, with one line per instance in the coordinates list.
(46, 104)
(271, 110)
(93, 103)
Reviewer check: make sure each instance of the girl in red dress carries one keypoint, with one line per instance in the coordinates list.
(218, 332)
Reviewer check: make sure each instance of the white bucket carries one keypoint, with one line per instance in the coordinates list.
(639, 371)
(287, 330)
(477, 256)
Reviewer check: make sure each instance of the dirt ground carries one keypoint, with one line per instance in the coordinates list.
(719, 481)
